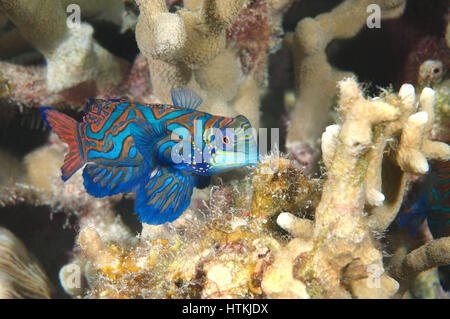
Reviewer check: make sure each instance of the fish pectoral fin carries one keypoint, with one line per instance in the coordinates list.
(165, 196)
(146, 137)
(101, 180)
(184, 97)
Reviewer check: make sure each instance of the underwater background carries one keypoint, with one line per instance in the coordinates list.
(350, 201)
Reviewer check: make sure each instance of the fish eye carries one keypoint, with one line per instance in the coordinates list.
(226, 140)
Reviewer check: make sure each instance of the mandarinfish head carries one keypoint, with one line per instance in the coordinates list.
(218, 149)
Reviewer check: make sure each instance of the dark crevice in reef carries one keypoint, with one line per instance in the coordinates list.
(281, 69)
(371, 55)
(379, 57)
(281, 79)
(307, 8)
(21, 129)
(108, 35)
(123, 208)
(49, 237)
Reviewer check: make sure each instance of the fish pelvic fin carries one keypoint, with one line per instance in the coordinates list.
(164, 196)
(101, 180)
(66, 129)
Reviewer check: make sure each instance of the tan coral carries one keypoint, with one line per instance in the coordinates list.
(227, 276)
(247, 100)
(11, 171)
(223, 256)
(21, 276)
(194, 38)
(94, 249)
(315, 77)
(433, 254)
(342, 232)
(279, 279)
(42, 167)
(72, 55)
(189, 48)
(413, 133)
(344, 260)
(297, 227)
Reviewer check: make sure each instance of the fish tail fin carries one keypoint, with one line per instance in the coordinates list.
(66, 128)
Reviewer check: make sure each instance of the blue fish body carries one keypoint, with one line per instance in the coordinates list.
(158, 151)
(438, 214)
(433, 204)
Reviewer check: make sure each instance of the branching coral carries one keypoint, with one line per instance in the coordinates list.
(190, 48)
(218, 252)
(231, 247)
(185, 42)
(26, 86)
(42, 185)
(433, 254)
(342, 235)
(72, 55)
(315, 78)
(412, 133)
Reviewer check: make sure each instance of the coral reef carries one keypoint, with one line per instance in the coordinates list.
(210, 47)
(347, 156)
(315, 77)
(332, 255)
(72, 55)
(318, 219)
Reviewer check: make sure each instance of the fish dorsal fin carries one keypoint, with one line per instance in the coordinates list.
(164, 196)
(146, 137)
(184, 97)
(92, 110)
(91, 103)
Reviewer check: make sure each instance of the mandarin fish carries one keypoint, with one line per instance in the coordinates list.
(432, 204)
(158, 151)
